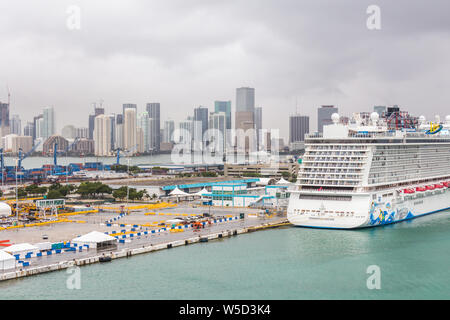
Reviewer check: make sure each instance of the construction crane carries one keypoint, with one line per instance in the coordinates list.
(23, 156)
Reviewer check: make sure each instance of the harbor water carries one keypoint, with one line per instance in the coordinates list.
(286, 263)
(37, 162)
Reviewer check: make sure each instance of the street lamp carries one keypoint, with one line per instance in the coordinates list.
(128, 182)
(17, 193)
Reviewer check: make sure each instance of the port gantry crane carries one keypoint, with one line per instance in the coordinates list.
(23, 156)
(127, 152)
(56, 153)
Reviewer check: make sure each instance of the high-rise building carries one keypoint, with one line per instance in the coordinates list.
(102, 135)
(28, 130)
(48, 125)
(245, 120)
(324, 116)
(128, 106)
(97, 112)
(224, 106)
(153, 110)
(197, 135)
(144, 124)
(13, 142)
(218, 131)
(185, 132)
(201, 114)
(129, 129)
(4, 119)
(298, 127)
(37, 133)
(245, 99)
(112, 117)
(140, 143)
(169, 127)
(245, 108)
(16, 124)
(258, 125)
(119, 132)
(82, 133)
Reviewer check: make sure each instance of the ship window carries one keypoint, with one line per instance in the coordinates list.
(325, 197)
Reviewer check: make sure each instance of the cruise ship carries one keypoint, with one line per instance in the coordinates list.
(365, 175)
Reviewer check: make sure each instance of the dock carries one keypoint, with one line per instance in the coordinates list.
(143, 244)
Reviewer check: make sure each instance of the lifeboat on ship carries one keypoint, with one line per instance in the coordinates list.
(408, 191)
(431, 187)
(438, 186)
(446, 184)
(421, 189)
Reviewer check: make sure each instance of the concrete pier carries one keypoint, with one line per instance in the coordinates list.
(92, 256)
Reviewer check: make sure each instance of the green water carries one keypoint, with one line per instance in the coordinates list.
(289, 263)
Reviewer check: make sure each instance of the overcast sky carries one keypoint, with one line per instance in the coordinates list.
(186, 53)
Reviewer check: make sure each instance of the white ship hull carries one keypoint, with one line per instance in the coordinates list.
(362, 211)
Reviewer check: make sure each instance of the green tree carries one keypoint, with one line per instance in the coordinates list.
(54, 194)
(21, 192)
(120, 193)
(209, 174)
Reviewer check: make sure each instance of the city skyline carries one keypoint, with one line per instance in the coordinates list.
(285, 52)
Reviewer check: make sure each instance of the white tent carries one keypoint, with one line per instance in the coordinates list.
(202, 192)
(178, 192)
(21, 248)
(5, 209)
(95, 239)
(282, 181)
(7, 261)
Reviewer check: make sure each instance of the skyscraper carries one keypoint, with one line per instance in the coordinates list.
(245, 108)
(201, 114)
(4, 119)
(16, 125)
(97, 112)
(28, 130)
(245, 99)
(185, 132)
(112, 118)
(153, 110)
(298, 127)
(169, 127)
(119, 132)
(258, 124)
(324, 116)
(129, 129)
(128, 106)
(102, 135)
(48, 125)
(144, 124)
(37, 127)
(218, 129)
(224, 106)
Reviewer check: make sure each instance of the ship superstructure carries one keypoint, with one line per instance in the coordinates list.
(364, 174)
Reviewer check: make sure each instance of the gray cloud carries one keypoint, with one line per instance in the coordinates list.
(189, 53)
